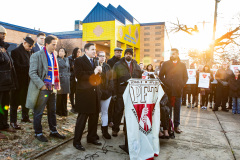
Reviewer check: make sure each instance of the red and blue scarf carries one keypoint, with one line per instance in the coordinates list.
(48, 79)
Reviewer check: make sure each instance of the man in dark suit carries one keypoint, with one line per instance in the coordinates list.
(117, 56)
(40, 42)
(88, 96)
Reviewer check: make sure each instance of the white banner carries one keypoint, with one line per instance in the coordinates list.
(233, 67)
(204, 80)
(142, 113)
(191, 76)
(214, 71)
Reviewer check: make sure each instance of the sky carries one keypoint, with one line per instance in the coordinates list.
(57, 16)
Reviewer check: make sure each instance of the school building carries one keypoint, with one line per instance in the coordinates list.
(107, 27)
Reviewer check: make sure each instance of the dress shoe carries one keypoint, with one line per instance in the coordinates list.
(2, 136)
(124, 148)
(79, 147)
(177, 130)
(26, 120)
(15, 126)
(225, 110)
(95, 142)
(42, 138)
(114, 133)
(10, 129)
(57, 135)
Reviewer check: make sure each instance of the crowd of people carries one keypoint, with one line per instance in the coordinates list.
(35, 76)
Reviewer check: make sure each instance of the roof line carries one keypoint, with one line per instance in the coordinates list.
(152, 23)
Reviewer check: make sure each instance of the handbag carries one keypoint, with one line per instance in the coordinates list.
(6, 77)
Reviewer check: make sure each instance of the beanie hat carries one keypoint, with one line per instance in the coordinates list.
(2, 29)
(130, 50)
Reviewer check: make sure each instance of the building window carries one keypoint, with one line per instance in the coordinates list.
(146, 44)
(146, 39)
(146, 55)
(146, 50)
(157, 50)
(146, 28)
(157, 38)
(157, 44)
(158, 27)
(157, 33)
(157, 55)
(146, 33)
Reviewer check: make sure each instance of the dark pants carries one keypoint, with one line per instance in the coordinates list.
(4, 101)
(184, 96)
(80, 125)
(61, 107)
(118, 113)
(111, 110)
(48, 98)
(205, 98)
(221, 96)
(230, 102)
(13, 113)
(176, 111)
(189, 98)
(72, 92)
(213, 93)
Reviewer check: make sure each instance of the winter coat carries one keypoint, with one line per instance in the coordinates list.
(223, 76)
(174, 77)
(234, 86)
(8, 80)
(73, 82)
(121, 74)
(106, 82)
(21, 61)
(64, 75)
(112, 61)
(88, 92)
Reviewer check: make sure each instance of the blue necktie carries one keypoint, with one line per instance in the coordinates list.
(91, 60)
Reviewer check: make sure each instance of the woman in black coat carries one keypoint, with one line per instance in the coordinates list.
(64, 75)
(75, 54)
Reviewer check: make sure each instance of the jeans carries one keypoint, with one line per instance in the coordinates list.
(46, 97)
(235, 105)
(176, 112)
(4, 101)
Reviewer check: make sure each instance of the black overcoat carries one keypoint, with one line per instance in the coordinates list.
(88, 92)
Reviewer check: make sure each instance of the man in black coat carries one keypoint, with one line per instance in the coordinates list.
(88, 96)
(40, 42)
(125, 69)
(174, 76)
(117, 56)
(7, 83)
(21, 60)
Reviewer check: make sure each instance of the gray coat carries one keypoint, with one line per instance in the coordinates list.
(64, 75)
(37, 72)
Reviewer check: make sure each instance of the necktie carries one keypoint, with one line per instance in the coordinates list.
(91, 60)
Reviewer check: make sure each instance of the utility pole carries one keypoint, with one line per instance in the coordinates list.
(214, 30)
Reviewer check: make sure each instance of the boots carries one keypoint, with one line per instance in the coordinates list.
(105, 132)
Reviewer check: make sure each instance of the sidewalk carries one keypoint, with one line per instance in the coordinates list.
(202, 138)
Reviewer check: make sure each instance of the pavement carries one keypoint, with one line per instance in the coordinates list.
(206, 135)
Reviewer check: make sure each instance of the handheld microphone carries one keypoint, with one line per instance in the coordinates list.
(96, 61)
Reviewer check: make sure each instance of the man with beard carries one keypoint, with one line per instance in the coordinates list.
(21, 61)
(174, 76)
(7, 83)
(125, 69)
(117, 56)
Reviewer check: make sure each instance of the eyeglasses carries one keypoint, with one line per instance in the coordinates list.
(101, 56)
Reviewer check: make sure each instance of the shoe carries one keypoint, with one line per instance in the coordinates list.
(177, 130)
(105, 132)
(225, 110)
(167, 137)
(203, 107)
(73, 111)
(162, 137)
(95, 143)
(79, 147)
(15, 126)
(192, 105)
(210, 106)
(26, 120)
(189, 106)
(124, 148)
(114, 134)
(110, 124)
(10, 129)
(41, 138)
(57, 135)
(2, 136)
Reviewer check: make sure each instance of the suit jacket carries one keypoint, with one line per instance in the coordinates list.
(35, 48)
(38, 71)
(88, 92)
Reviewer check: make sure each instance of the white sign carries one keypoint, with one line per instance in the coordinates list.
(142, 114)
(204, 80)
(191, 76)
(233, 67)
(214, 71)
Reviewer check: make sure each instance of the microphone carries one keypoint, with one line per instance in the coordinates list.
(96, 61)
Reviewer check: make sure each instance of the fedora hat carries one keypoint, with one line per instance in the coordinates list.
(29, 40)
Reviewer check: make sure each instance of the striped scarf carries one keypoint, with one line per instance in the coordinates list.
(48, 79)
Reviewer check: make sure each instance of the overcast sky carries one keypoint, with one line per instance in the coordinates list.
(57, 16)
